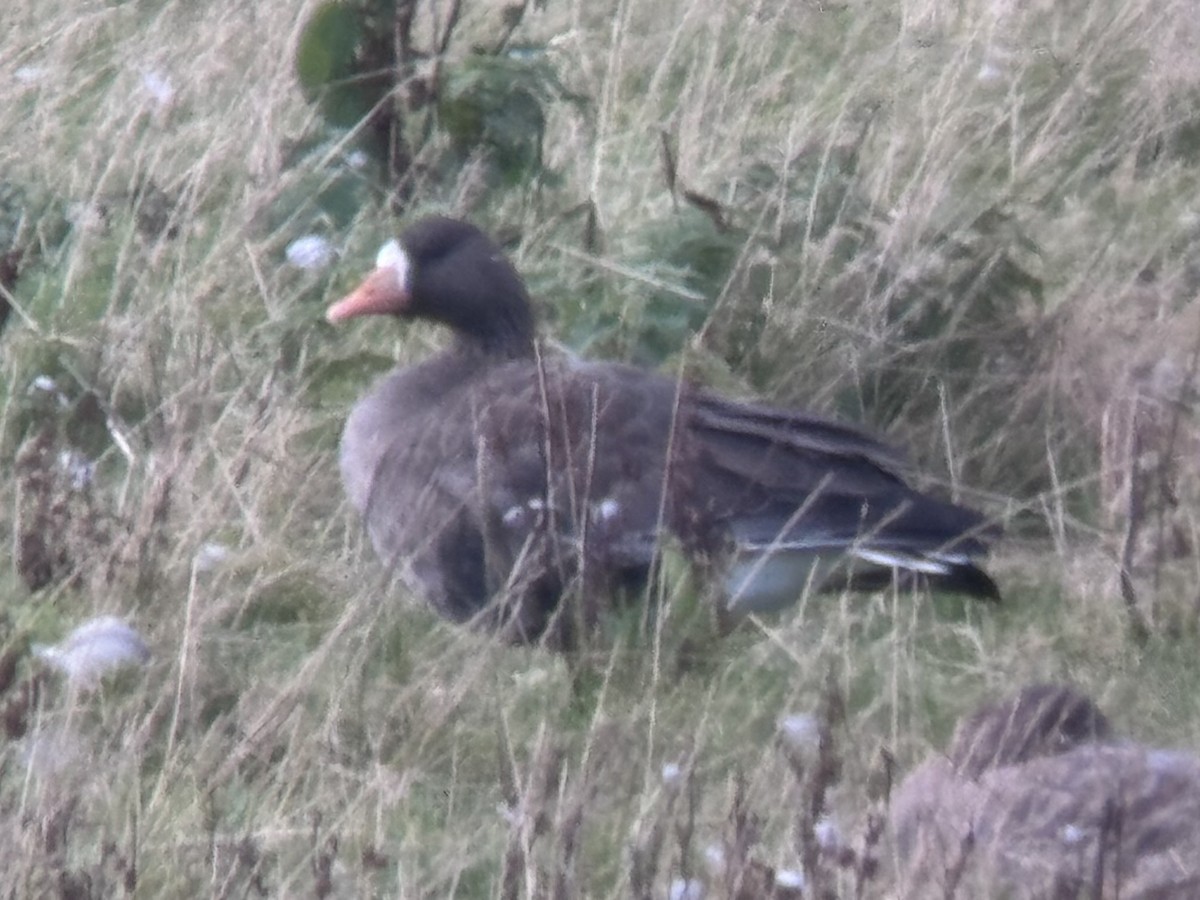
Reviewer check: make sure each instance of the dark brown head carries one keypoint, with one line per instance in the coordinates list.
(448, 271)
(1040, 720)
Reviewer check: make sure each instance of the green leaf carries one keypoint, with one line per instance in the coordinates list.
(326, 51)
(328, 65)
(497, 104)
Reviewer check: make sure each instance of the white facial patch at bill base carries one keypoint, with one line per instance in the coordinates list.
(392, 256)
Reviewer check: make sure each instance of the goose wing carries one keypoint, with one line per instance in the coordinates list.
(800, 494)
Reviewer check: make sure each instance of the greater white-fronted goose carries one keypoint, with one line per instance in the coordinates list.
(1037, 799)
(500, 476)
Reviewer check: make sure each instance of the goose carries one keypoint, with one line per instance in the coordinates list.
(1036, 797)
(498, 476)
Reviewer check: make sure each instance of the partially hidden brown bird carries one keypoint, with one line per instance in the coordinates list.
(500, 476)
(1037, 798)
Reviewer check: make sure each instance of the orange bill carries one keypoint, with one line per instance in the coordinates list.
(379, 294)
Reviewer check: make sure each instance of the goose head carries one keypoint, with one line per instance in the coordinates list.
(1041, 720)
(447, 271)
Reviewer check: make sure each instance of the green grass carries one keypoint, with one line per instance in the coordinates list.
(305, 727)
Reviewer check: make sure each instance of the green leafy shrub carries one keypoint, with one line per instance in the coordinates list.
(494, 105)
(358, 63)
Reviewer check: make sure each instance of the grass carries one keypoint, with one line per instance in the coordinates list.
(972, 225)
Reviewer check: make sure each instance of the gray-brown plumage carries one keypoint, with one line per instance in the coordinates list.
(1037, 800)
(502, 477)
(1040, 720)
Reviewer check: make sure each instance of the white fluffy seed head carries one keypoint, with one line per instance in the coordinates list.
(158, 86)
(714, 859)
(800, 731)
(1072, 834)
(210, 556)
(392, 256)
(29, 74)
(95, 648)
(310, 252)
(790, 878)
(827, 833)
(78, 467)
(606, 510)
(686, 889)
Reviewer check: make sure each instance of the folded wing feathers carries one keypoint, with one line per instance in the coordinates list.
(797, 431)
(854, 499)
(844, 495)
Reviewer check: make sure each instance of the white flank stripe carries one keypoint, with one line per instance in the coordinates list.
(914, 563)
(954, 559)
